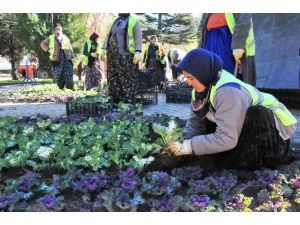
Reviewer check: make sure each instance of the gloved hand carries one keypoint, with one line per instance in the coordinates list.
(103, 55)
(179, 149)
(143, 66)
(137, 57)
(238, 54)
(94, 54)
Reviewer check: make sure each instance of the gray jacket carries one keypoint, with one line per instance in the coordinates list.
(137, 31)
(231, 106)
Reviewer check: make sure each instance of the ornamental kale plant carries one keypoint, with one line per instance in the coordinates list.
(168, 134)
(273, 200)
(116, 200)
(90, 182)
(128, 180)
(24, 186)
(187, 173)
(266, 177)
(220, 184)
(159, 183)
(238, 203)
(48, 203)
(198, 203)
(169, 203)
(296, 183)
(7, 202)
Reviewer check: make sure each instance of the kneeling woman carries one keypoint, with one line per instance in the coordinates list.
(234, 123)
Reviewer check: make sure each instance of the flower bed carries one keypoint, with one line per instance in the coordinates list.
(106, 164)
(44, 93)
(131, 190)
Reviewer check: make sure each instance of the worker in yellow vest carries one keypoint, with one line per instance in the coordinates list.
(174, 57)
(94, 70)
(232, 122)
(230, 36)
(60, 54)
(123, 47)
(154, 58)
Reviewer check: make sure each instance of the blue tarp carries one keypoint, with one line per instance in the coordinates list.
(277, 37)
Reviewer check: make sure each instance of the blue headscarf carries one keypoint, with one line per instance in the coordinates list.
(203, 65)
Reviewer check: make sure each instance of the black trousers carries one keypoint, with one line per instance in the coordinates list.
(259, 145)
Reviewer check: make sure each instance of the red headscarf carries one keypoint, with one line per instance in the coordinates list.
(94, 36)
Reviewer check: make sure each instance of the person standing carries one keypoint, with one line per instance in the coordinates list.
(174, 58)
(154, 58)
(60, 54)
(230, 36)
(123, 48)
(94, 67)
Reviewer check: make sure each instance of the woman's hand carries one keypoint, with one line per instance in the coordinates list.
(94, 54)
(179, 149)
(137, 57)
(238, 54)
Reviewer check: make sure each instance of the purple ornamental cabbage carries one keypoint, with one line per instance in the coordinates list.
(25, 182)
(158, 183)
(168, 203)
(235, 202)
(128, 179)
(200, 202)
(90, 183)
(266, 177)
(296, 183)
(200, 185)
(187, 173)
(48, 201)
(276, 201)
(7, 200)
(221, 184)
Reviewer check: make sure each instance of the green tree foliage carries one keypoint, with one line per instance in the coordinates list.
(11, 46)
(171, 28)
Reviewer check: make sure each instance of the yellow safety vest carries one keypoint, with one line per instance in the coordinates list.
(250, 41)
(131, 23)
(89, 47)
(258, 98)
(51, 45)
(160, 49)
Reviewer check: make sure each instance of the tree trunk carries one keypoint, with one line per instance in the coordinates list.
(13, 69)
(159, 23)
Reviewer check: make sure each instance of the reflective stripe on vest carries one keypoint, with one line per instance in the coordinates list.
(250, 41)
(258, 98)
(51, 45)
(130, 32)
(163, 61)
(89, 47)
(131, 43)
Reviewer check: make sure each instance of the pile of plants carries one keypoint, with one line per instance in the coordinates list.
(106, 164)
(44, 93)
